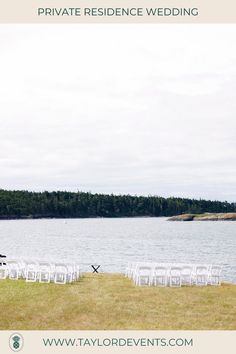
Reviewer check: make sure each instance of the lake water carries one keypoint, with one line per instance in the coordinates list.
(115, 242)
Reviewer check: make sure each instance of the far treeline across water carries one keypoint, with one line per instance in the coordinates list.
(24, 204)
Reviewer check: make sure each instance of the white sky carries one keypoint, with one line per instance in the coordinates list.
(139, 109)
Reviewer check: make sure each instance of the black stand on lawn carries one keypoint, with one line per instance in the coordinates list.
(95, 268)
(1, 261)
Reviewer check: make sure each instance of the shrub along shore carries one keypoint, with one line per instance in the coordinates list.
(111, 301)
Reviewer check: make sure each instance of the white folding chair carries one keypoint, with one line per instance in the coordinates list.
(3, 272)
(201, 275)
(22, 268)
(77, 271)
(31, 271)
(133, 271)
(175, 277)
(61, 273)
(186, 275)
(130, 270)
(215, 275)
(13, 269)
(144, 275)
(45, 272)
(71, 272)
(160, 276)
(127, 270)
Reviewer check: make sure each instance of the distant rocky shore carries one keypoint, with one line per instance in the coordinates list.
(205, 216)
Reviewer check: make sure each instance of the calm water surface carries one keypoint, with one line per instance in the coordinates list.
(115, 242)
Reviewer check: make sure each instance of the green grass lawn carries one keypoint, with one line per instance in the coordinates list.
(111, 301)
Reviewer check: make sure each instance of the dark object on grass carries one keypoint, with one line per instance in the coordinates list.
(2, 256)
(95, 268)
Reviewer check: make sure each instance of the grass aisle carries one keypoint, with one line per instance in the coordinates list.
(111, 301)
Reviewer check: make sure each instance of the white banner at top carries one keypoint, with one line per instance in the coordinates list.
(117, 11)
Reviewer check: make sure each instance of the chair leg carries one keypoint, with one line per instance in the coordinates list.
(175, 282)
(31, 276)
(3, 274)
(201, 280)
(44, 277)
(13, 274)
(215, 280)
(59, 276)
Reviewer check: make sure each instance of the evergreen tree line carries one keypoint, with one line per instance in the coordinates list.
(24, 204)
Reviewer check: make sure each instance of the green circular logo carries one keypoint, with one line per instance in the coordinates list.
(16, 342)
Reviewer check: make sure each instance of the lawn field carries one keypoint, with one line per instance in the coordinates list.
(111, 301)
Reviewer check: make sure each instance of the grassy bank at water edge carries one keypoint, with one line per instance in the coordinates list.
(111, 301)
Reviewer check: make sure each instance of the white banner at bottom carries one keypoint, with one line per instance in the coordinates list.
(166, 342)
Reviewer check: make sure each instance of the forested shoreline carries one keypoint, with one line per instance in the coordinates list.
(59, 204)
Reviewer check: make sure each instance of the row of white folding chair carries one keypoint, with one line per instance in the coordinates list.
(45, 272)
(155, 275)
(42, 271)
(158, 276)
(178, 275)
(202, 274)
(10, 269)
(175, 275)
(131, 270)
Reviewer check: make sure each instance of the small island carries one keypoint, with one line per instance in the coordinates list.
(205, 217)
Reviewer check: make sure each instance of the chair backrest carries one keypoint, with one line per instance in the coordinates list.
(175, 271)
(60, 267)
(186, 270)
(13, 264)
(216, 270)
(144, 270)
(160, 270)
(44, 266)
(201, 270)
(30, 264)
(70, 267)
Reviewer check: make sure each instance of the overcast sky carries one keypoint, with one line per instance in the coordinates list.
(119, 109)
